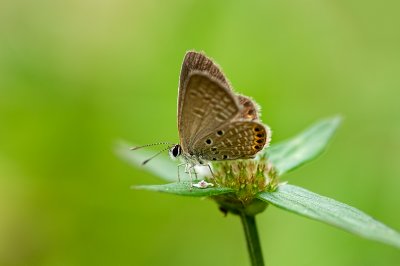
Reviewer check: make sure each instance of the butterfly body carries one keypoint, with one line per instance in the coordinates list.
(214, 123)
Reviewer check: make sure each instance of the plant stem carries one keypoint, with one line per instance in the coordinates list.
(252, 239)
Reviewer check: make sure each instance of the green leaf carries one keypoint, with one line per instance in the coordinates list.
(292, 153)
(183, 189)
(161, 166)
(314, 206)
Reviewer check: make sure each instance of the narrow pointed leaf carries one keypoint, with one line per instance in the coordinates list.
(292, 153)
(314, 206)
(183, 189)
(161, 166)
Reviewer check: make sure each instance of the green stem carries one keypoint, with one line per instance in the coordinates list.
(252, 239)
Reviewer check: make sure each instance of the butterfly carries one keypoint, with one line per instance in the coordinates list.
(214, 123)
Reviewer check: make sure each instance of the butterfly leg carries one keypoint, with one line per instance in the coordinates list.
(212, 173)
(179, 165)
(195, 173)
(192, 170)
(190, 176)
(188, 168)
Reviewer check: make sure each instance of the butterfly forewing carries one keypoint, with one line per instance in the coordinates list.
(206, 105)
(195, 61)
(236, 140)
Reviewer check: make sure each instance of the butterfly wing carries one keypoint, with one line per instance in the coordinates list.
(195, 61)
(201, 112)
(249, 110)
(235, 140)
(207, 104)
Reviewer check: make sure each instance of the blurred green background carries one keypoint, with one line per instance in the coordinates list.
(75, 76)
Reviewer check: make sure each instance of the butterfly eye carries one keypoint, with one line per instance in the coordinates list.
(176, 151)
(225, 157)
(220, 133)
(208, 141)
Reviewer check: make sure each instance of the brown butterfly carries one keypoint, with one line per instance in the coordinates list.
(214, 123)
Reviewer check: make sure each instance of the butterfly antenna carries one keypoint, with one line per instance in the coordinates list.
(155, 155)
(148, 145)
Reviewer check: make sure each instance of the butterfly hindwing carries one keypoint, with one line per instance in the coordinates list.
(249, 110)
(236, 140)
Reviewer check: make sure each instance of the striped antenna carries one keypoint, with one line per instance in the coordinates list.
(149, 145)
(158, 153)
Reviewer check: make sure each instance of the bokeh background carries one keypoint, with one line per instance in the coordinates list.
(76, 76)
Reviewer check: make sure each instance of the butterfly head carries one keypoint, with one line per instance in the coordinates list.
(175, 151)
